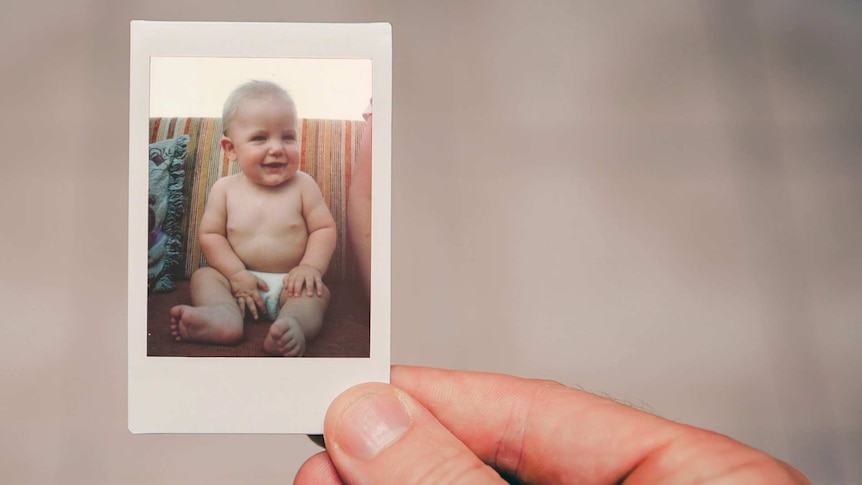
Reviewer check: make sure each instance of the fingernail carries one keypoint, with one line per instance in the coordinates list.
(371, 424)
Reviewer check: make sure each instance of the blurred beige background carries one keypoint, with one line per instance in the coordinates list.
(657, 200)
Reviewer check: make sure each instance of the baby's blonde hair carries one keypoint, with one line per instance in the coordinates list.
(249, 90)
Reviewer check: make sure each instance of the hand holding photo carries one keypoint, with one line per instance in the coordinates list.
(260, 234)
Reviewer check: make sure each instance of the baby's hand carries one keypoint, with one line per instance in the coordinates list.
(303, 275)
(244, 286)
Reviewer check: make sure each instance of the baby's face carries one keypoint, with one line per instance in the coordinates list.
(262, 136)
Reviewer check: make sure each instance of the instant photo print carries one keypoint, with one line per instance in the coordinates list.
(283, 157)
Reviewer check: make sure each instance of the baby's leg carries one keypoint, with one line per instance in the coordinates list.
(298, 321)
(214, 316)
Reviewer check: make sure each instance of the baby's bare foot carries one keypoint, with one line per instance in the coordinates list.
(285, 338)
(212, 324)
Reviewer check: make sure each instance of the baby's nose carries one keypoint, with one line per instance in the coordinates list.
(276, 147)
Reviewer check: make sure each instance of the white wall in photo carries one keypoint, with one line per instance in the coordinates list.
(198, 86)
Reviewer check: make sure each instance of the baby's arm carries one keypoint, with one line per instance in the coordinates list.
(220, 255)
(321, 241)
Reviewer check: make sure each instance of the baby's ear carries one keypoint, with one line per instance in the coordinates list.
(227, 146)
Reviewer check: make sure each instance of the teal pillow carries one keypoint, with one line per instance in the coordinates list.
(167, 159)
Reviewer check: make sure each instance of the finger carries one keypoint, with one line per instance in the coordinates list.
(249, 303)
(288, 286)
(309, 285)
(297, 286)
(319, 287)
(258, 301)
(262, 285)
(241, 302)
(376, 433)
(317, 470)
(544, 432)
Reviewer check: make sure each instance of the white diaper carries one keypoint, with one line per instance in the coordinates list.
(275, 282)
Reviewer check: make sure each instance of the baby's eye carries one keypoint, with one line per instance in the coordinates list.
(258, 138)
(289, 137)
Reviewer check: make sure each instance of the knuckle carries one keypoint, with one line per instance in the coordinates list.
(453, 467)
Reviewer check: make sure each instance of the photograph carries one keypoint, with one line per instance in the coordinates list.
(268, 233)
(252, 163)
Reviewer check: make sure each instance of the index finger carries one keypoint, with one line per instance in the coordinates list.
(258, 302)
(240, 301)
(544, 432)
(251, 304)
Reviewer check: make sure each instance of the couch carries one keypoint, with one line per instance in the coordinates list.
(185, 160)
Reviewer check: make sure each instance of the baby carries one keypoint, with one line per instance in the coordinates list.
(266, 233)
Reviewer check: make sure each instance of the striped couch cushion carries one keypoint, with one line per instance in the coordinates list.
(327, 152)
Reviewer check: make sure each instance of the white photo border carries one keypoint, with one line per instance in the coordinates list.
(251, 395)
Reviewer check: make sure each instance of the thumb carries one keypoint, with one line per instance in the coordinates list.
(262, 285)
(376, 433)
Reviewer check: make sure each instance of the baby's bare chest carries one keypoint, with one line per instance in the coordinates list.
(278, 214)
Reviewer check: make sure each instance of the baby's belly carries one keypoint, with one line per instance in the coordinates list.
(270, 254)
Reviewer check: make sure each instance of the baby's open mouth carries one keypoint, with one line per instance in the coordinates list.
(274, 165)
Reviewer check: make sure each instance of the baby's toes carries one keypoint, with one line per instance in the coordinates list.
(281, 339)
(289, 335)
(176, 313)
(294, 350)
(287, 341)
